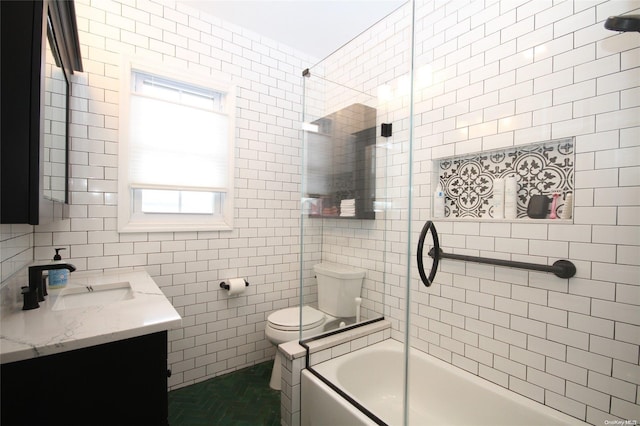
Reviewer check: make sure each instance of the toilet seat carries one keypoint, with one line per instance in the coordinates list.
(288, 319)
(284, 326)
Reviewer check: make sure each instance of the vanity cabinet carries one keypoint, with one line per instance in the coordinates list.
(118, 383)
(39, 50)
(21, 38)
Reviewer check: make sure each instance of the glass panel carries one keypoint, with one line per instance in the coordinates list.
(56, 88)
(369, 77)
(196, 202)
(175, 91)
(344, 198)
(176, 201)
(158, 201)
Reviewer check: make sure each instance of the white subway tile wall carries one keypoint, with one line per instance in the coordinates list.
(489, 74)
(16, 248)
(218, 333)
(500, 75)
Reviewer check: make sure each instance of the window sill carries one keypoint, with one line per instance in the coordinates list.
(173, 227)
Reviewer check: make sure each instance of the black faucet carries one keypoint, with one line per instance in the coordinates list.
(37, 288)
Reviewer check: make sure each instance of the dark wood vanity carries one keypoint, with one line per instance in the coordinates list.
(118, 383)
(96, 361)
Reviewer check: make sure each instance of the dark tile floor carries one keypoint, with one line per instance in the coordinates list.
(241, 398)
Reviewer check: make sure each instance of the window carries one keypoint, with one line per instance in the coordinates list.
(175, 153)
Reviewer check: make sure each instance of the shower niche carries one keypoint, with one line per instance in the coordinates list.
(544, 168)
(341, 164)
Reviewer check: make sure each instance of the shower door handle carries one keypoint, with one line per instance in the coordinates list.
(436, 250)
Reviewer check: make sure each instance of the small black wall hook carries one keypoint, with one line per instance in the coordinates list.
(386, 130)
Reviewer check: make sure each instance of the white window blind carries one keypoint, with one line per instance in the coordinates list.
(175, 163)
(178, 136)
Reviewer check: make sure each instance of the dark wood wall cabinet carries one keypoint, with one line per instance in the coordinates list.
(29, 31)
(118, 383)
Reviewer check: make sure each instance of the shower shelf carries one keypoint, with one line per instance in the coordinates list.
(494, 220)
(541, 168)
(561, 268)
(328, 216)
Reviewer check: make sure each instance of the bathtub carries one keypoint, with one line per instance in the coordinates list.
(439, 393)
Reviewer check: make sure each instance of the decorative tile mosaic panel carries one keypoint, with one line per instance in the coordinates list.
(544, 168)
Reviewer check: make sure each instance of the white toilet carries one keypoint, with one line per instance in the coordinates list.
(338, 287)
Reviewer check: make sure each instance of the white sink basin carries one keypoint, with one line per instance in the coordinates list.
(93, 295)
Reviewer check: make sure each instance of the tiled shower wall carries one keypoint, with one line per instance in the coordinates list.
(377, 57)
(496, 74)
(16, 248)
(218, 333)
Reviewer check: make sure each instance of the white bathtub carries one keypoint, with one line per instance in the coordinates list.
(439, 393)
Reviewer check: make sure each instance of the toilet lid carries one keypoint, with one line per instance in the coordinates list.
(289, 318)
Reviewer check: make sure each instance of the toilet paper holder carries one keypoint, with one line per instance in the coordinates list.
(226, 286)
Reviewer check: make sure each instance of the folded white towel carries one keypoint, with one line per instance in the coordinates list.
(348, 207)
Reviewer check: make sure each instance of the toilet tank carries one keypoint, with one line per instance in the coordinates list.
(338, 286)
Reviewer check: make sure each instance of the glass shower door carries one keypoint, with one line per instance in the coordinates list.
(356, 189)
(343, 191)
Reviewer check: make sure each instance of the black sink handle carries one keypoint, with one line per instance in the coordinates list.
(427, 281)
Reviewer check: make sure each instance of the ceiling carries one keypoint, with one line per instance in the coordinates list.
(314, 27)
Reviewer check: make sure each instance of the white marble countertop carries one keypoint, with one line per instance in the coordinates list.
(43, 331)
